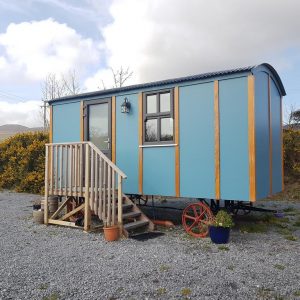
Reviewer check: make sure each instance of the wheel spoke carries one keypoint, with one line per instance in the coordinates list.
(189, 228)
(195, 211)
(189, 217)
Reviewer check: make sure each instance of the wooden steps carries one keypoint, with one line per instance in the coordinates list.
(134, 225)
(134, 220)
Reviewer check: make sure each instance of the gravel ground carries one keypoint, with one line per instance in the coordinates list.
(39, 262)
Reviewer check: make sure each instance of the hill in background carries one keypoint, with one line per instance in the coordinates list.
(8, 130)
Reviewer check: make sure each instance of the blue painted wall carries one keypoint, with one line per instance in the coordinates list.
(66, 122)
(234, 155)
(276, 140)
(159, 171)
(262, 135)
(197, 173)
(127, 146)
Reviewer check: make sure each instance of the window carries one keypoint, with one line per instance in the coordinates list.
(158, 117)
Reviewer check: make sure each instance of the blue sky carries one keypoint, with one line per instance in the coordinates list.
(157, 39)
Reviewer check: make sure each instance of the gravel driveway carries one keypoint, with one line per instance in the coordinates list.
(39, 262)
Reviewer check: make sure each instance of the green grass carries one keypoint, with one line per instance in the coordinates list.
(231, 267)
(186, 292)
(43, 286)
(297, 293)
(161, 291)
(279, 267)
(290, 238)
(223, 248)
(254, 228)
(53, 296)
(164, 268)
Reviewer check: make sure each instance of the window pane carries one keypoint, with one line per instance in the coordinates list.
(166, 130)
(151, 130)
(151, 104)
(98, 125)
(165, 104)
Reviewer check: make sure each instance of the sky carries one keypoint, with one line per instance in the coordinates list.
(156, 39)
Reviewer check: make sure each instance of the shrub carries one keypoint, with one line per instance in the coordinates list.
(223, 219)
(291, 148)
(22, 162)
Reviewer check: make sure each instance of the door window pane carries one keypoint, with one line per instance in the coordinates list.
(151, 130)
(165, 102)
(151, 104)
(98, 125)
(166, 129)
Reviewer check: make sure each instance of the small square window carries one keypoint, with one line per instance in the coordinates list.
(151, 104)
(166, 129)
(151, 130)
(164, 102)
(158, 117)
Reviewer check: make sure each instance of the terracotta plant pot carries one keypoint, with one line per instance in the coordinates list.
(112, 233)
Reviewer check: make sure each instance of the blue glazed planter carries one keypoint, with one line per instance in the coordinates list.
(219, 235)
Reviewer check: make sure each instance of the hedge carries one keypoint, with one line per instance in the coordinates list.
(22, 162)
(291, 147)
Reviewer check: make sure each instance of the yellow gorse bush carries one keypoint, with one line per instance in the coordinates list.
(22, 162)
(291, 147)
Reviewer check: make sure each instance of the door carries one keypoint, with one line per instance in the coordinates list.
(98, 124)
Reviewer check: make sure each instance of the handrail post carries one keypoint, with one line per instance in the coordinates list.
(120, 202)
(46, 187)
(87, 212)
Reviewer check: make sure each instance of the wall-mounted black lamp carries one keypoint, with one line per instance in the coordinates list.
(125, 107)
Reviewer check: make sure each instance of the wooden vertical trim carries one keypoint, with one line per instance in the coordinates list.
(281, 138)
(113, 129)
(140, 131)
(177, 147)
(270, 136)
(51, 125)
(87, 212)
(217, 140)
(46, 186)
(251, 138)
(81, 121)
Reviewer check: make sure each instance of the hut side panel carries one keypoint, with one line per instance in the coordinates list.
(262, 135)
(127, 146)
(234, 150)
(66, 122)
(197, 164)
(276, 138)
(159, 171)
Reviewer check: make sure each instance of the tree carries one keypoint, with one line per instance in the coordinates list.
(120, 76)
(55, 86)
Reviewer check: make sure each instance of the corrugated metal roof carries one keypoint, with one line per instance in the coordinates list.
(172, 81)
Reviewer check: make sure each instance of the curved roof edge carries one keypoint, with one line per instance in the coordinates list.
(276, 76)
(174, 81)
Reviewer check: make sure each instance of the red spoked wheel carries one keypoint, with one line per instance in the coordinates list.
(196, 219)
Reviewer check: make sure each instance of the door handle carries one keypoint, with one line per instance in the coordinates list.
(108, 143)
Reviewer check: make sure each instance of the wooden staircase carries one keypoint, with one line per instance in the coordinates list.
(134, 220)
(90, 183)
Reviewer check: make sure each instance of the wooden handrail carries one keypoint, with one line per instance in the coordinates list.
(80, 169)
(96, 150)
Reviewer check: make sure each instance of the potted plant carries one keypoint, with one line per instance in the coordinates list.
(219, 229)
(111, 232)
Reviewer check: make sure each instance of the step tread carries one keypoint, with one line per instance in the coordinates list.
(133, 225)
(126, 206)
(132, 214)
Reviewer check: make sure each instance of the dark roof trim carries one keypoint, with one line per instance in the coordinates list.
(173, 81)
(276, 77)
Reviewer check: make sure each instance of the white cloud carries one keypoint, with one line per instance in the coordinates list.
(33, 49)
(27, 113)
(163, 39)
